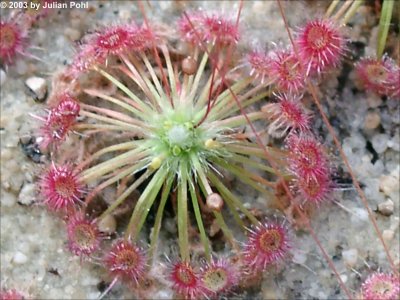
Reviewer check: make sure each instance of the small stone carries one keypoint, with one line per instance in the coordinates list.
(214, 229)
(72, 34)
(270, 291)
(6, 154)
(69, 290)
(366, 158)
(88, 281)
(19, 258)
(7, 199)
(360, 216)
(30, 148)
(299, 257)
(372, 120)
(374, 100)
(21, 67)
(344, 278)
(388, 184)
(395, 221)
(388, 235)
(25, 139)
(91, 295)
(170, 226)
(124, 14)
(386, 208)
(15, 179)
(163, 294)
(37, 88)
(108, 224)
(76, 18)
(41, 35)
(350, 257)
(394, 143)
(3, 77)
(380, 143)
(27, 194)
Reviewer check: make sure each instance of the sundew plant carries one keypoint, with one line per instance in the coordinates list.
(190, 159)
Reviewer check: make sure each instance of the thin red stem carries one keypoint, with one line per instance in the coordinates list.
(239, 13)
(210, 104)
(156, 55)
(209, 99)
(269, 158)
(311, 89)
(353, 177)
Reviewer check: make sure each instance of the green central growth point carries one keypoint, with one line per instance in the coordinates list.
(180, 137)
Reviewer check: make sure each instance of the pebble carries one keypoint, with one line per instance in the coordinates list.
(20, 258)
(359, 217)
(108, 224)
(386, 208)
(344, 278)
(69, 290)
(3, 77)
(88, 281)
(6, 154)
(299, 258)
(41, 35)
(388, 235)
(14, 181)
(163, 294)
(395, 223)
(170, 226)
(270, 290)
(7, 199)
(124, 14)
(37, 88)
(372, 120)
(350, 257)
(76, 18)
(374, 100)
(380, 143)
(93, 295)
(21, 67)
(388, 184)
(394, 143)
(27, 194)
(72, 34)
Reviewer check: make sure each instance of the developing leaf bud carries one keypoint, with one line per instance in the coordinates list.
(214, 202)
(189, 65)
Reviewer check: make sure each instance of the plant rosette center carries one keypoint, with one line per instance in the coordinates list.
(65, 186)
(318, 38)
(177, 139)
(85, 236)
(113, 40)
(291, 69)
(216, 279)
(382, 288)
(377, 73)
(185, 279)
(8, 37)
(185, 275)
(270, 241)
(127, 260)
